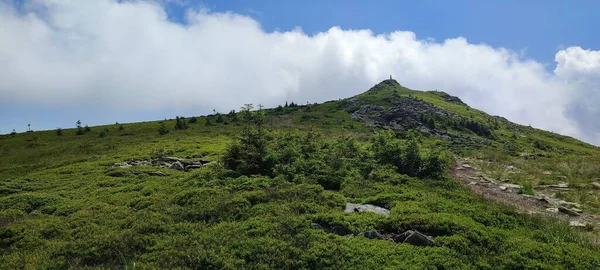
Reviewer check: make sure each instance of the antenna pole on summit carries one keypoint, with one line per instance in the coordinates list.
(390, 77)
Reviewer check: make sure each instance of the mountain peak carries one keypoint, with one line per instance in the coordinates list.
(390, 82)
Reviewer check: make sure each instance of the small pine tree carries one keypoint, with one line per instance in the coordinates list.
(13, 132)
(103, 133)
(180, 123)
(193, 120)
(87, 129)
(209, 121)
(58, 131)
(219, 119)
(121, 127)
(162, 129)
(79, 128)
(286, 104)
(232, 115)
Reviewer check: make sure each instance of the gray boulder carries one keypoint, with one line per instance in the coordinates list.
(372, 234)
(401, 237)
(358, 208)
(177, 166)
(419, 239)
(414, 238)
(171, 159)
(191, 167)
(315, 225)
(568, 211)
(339, 230)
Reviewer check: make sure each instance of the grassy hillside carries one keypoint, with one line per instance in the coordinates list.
(274, 185)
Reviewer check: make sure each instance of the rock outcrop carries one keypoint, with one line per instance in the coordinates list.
(358, 208)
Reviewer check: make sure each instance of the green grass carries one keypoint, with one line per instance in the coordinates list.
(61, 208)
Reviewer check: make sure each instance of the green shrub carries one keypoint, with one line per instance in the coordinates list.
(162, 129)
(407, 156)
(180, 123)
(103, 133)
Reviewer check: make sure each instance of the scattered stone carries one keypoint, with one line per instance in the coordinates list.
(577, 223)
(177, 166)
(503, 188)
(569, 204)
(171, 159)
(122, 165)
(372, 234)
(596, 185)
(318, 226)
(472, 183)
(401, 237)
(559, 186)
(511, 186)
(467, 166)
(414, 238)
(491, 180)
(166, 162)
(339, 230)
(547, 172)
(358, 208)
(194, 166)
(552, 210)
(568, 211)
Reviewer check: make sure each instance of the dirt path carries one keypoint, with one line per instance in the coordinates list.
(543, 203)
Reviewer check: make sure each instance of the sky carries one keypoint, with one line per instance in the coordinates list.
(104, 61)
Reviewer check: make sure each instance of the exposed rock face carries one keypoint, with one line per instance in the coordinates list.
(404, 115)
(175, 163)
(358, 208)
(407, 113)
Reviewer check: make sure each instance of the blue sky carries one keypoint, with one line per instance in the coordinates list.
(107, 61)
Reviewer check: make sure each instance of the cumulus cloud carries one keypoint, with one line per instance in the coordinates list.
(129, 56)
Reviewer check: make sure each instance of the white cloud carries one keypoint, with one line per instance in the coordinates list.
(128, 56)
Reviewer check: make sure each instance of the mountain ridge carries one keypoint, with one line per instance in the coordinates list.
(389, 178)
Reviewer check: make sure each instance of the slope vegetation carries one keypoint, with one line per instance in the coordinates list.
(364, 182)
